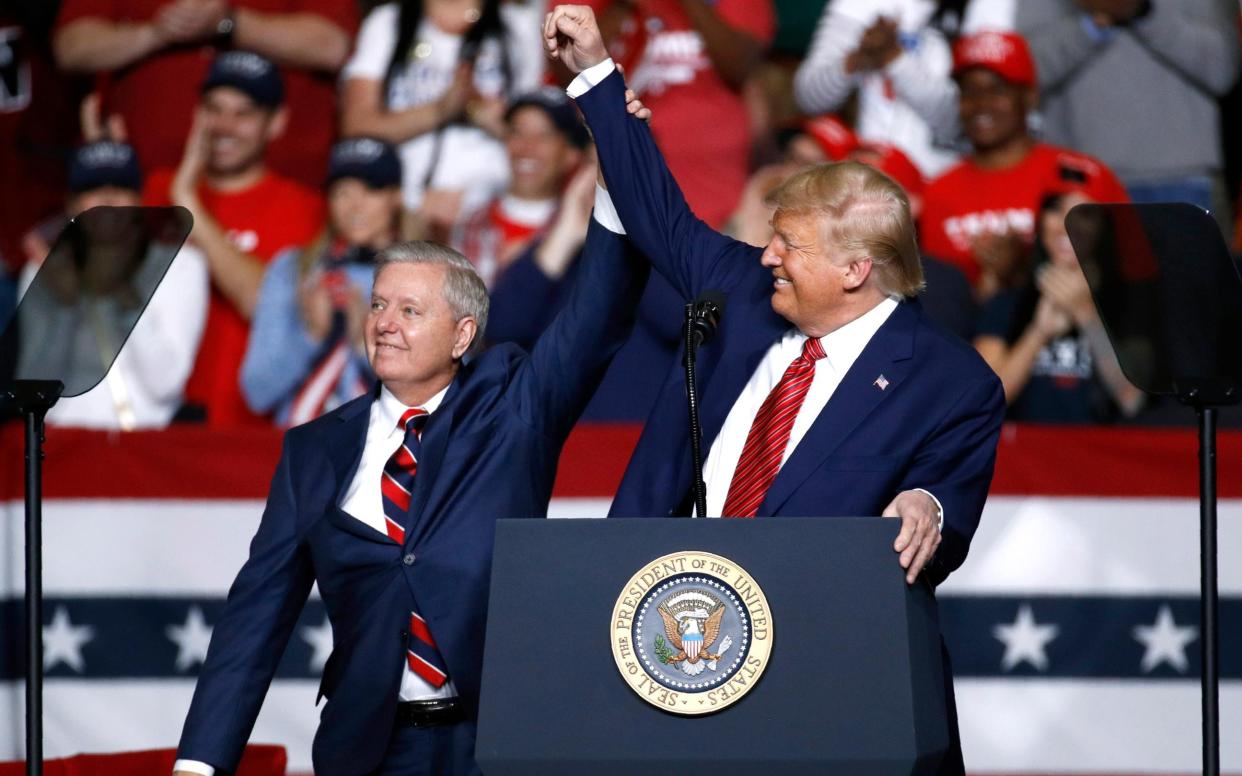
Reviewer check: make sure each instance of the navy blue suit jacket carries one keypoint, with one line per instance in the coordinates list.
(524, 300)
(489, 451)
(935, 425)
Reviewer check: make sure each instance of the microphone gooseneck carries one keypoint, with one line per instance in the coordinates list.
(702, 317)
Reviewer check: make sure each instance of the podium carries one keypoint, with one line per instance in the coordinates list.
(852, 679)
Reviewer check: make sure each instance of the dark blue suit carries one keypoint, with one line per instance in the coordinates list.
(489, 451)
(524, 300)
(935, 425)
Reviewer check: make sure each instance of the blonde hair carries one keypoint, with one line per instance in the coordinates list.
(865, 214)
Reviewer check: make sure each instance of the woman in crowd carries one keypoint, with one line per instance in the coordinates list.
(433, 77)
(305, 353)
(1045, 339)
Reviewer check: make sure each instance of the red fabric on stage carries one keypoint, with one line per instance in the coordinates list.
(185, 462)
(257, 760)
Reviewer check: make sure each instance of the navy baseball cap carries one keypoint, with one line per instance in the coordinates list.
(371, 161)
(104, 163)
(248, 72)
(558, 107)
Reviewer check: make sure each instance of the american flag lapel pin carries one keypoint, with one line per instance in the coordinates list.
(881, 382)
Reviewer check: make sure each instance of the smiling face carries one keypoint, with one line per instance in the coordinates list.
(808, 286)
(993, 111)
(413, 339)
(238, 130)
(361, 215)
(539, 155)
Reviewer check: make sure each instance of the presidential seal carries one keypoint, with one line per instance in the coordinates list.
(691, 632)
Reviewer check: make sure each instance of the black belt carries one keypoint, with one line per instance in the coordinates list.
(430, 713)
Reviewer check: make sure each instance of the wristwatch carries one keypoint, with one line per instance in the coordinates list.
(225, 28)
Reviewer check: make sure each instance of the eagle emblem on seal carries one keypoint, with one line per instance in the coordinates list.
(692, 623)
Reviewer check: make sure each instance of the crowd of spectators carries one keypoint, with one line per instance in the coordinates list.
(304, 136)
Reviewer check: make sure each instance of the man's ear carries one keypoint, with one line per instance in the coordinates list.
(467, 329)
(856, 274)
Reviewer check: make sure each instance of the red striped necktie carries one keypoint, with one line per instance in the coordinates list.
(769, 434)
(396, 485)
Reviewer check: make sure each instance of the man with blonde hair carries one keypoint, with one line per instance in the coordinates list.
(870, 218)
(826, 391)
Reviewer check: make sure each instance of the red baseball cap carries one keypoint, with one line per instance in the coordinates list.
(835, 138)
(1004, 53)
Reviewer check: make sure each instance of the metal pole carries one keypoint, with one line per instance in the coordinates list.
(1208, 609)
(34, 591)
(696, 431)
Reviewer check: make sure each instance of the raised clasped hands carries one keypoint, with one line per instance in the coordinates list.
(1066, 286)
(920, 530)
(571, 34)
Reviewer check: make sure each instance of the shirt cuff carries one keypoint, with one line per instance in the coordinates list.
(605, 212)
(193, 766)
(939, 508)
(589, 78)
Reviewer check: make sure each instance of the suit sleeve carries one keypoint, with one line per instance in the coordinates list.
(570, 357)
(524, 300)
(956, 464)
(247, 643)
(687, 252)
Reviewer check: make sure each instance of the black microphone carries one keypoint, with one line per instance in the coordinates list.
(708, 309)
(702, 317)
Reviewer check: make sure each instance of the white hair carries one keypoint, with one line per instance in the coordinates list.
(463, 288)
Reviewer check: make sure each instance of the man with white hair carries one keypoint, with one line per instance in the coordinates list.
(389, 503)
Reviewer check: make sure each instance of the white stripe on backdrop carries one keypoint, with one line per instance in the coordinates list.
(1036, 546)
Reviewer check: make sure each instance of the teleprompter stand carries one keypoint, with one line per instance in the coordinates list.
(1170, 298)
(61, 341)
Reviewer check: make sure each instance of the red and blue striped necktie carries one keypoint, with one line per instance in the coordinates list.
(396, 485)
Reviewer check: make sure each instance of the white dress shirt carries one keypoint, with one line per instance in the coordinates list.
(842, 348)
(364, 502)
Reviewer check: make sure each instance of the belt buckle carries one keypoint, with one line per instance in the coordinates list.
(430, 713)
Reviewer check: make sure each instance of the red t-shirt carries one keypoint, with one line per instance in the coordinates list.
(967, 201)
(157, 95)
(699, 122)
(274, 214)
